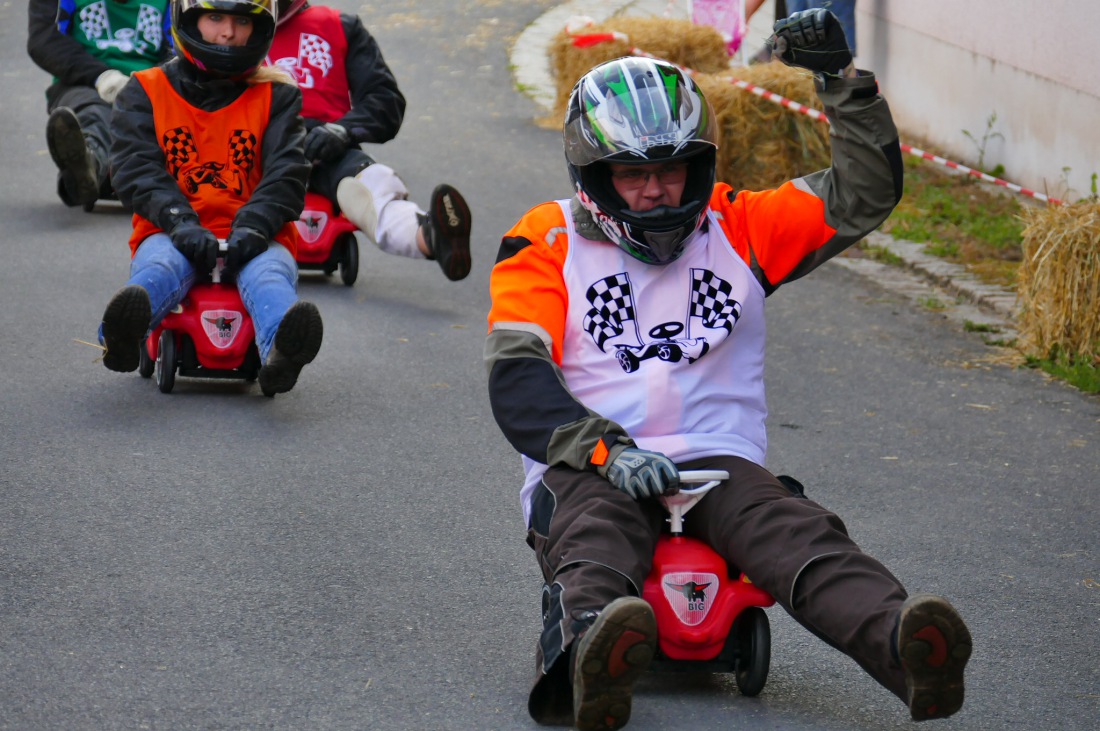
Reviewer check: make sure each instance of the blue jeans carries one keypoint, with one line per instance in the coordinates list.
(844, 10)
(268, 284)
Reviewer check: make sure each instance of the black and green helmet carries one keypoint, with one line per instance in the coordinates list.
(640, 111)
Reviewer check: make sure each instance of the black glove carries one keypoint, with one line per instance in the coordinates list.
(197, 243)
(244, 245)
(642, 474)
(812, 39)
(326, 142)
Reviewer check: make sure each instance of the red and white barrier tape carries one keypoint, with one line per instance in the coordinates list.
(592, 39)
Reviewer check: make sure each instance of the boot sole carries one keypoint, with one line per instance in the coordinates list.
(125, 324)
(611, 656)
(297, 342)
(449, 217)
(69, 152)
(934, 645)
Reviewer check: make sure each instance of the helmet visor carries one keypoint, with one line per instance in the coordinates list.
(633, 107)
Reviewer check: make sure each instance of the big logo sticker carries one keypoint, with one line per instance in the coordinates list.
(690, 595)
(221, 326)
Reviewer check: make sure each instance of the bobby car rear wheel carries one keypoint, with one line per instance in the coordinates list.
(754, 650)
(146, 366)
(166, 361)
(349, 259)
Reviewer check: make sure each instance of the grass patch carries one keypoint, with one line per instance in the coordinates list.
(1082, 372)
(960, 220)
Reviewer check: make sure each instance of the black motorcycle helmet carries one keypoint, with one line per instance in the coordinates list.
(287, 9)
(227, 61)
(640, 111)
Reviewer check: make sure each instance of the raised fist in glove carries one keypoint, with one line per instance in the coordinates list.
(643, 474)
(197, 243)
(326, 142)
(244, 245)
(110, 83)
(811, 39)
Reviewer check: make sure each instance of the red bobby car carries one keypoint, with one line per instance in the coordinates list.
(209, 335)
(327, 240)
(709, 618)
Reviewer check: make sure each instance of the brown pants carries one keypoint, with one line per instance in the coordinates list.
(595, 543)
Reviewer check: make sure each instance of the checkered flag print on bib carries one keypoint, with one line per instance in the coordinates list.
(316, 51)
(711, 301)
(94, 22)
(149, 25)
(179, 148)
(612, 305)
(242, 149)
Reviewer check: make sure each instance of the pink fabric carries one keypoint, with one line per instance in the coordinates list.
(725, 16)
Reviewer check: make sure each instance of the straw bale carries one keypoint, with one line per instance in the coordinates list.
(761, 143)
(698, 47)
(1059, 281)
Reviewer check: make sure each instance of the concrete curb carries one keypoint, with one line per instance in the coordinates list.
(533, 76)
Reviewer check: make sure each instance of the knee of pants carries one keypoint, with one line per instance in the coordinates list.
(163, 272)
(384, 184)
(274, 267)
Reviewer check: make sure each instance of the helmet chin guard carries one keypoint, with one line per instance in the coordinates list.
(641, 111)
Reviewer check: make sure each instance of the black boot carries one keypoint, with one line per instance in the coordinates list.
(78, 177)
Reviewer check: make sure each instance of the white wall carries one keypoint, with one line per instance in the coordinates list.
(949, 65)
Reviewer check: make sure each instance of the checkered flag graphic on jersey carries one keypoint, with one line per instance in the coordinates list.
(179, 148)
(149, 25)
(711, 301)
(242, 149)
(612, 305)
(316, 51)
(94, 22)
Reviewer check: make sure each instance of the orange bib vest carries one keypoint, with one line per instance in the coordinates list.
(214, 156)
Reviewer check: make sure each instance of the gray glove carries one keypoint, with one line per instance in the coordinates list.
(812, 39)
(326, 142)
(643, 474)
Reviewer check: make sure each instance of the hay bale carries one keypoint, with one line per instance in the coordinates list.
(1059, 281)
(762, 144)
(698, 47)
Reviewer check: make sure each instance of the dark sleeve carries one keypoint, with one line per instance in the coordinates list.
(56, 52)
(139, 173)
(281, 194)
(377, 104)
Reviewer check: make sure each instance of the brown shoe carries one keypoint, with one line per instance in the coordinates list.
(447, 231)
(610, 656)
(934, 646)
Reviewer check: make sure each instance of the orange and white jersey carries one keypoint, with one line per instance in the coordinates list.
(588, 345)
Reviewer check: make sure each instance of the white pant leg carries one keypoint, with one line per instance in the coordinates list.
(397, 222)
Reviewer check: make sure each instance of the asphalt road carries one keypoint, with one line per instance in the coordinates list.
(351, 555)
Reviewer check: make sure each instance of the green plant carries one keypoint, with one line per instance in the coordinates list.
(979, 327)
(982, 145)
(879, 253)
